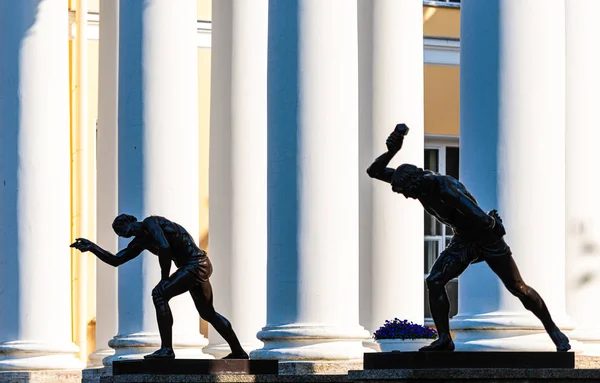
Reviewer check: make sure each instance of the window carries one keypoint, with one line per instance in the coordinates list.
(442, 3)
(442, 159)
(441, 156)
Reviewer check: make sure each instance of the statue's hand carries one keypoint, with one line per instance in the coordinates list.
(499, 226)
(396, 138)
(82, 244)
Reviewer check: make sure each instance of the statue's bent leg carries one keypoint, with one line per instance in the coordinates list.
(203, 299)
(178, 283)
(506, 269)
(448, 266)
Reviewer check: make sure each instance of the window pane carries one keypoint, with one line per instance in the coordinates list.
(432, 225)
(431, 160)
(452, 162)
(448, 231)
(431, 253)
(429, 224)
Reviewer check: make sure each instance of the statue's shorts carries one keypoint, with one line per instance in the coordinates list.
(200, 268)
(468, 252)
(195, 271)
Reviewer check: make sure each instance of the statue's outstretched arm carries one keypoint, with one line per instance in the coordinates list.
(126, 254)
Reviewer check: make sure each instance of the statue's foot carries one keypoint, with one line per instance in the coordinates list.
(237, 355)
(442, 344)
(560, 340)
(162, 353)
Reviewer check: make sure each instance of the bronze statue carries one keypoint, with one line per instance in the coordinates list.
(170, 242)
(477, 237)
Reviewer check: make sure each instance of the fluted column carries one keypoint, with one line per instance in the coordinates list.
(158, 160)
(35, 190)
(513, 159)
(238, 168)
(107, 170)
(583, 225)
(391, 92)
(312, 269)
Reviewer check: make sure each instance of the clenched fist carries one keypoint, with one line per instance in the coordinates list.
(395, 140)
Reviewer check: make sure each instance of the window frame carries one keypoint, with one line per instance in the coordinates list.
(439, 143)
(441, 3)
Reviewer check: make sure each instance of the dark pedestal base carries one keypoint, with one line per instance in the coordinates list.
(472, 367)
(195, 367)
(489, 359)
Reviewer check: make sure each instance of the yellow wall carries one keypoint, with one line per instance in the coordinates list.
(204, 126)
(442, 83)
(87, 212)
(442, 88)
(441, 22)
(204, 57)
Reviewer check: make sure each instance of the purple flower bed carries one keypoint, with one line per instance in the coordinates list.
(403, 329)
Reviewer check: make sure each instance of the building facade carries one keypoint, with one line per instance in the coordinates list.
(254, 121)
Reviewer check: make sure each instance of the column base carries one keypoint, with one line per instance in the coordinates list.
(371, 345)
(32, 355)
(218, 351)
(312, 342)
(589, 338)
(506, 332)
(135, 346)
(99, 355)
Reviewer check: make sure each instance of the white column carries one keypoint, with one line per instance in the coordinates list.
(35, 210)
(391, 92)
(107, 170)
(513, 159)
(238, 168)
(158, 160)
(312, 284)
(583, 225)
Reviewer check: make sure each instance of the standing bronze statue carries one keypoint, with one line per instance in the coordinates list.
(477, 237)
(170, 242)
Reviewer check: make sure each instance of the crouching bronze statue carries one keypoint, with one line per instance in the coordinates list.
(477, 237)
(170, 242)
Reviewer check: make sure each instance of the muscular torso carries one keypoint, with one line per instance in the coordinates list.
(183, 248)
(436, 203)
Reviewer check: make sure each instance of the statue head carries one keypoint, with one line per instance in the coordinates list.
(407, 179)
(123, 225)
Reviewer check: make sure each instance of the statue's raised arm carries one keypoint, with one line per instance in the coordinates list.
(379, 169)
